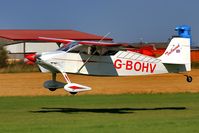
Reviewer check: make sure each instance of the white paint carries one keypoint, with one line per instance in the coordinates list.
(36, 47)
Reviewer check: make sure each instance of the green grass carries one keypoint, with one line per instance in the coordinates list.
(143, 113)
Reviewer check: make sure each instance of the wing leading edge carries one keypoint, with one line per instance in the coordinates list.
(89, 43)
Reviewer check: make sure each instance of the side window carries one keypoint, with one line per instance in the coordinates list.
(67, 47)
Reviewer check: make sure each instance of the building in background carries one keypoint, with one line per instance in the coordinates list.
(21, 42)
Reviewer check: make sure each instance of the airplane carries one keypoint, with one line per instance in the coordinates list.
(109, 59)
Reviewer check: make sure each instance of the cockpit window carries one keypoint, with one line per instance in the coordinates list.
(67, 47)
(75, 47)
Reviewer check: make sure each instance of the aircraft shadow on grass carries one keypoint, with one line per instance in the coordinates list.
(102, 110)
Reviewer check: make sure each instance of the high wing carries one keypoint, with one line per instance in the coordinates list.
(56, 40)
(89, 43)
(93, 43)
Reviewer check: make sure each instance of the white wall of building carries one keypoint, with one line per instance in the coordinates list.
(40, 47)
(16, 48)
(16, 51)
(32, 47)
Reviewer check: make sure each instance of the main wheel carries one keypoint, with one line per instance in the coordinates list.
(52, 89)
(73, 93)
(189, 79)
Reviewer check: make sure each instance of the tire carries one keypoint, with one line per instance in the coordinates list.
(52, 89)
(189, 79)
(73, 93)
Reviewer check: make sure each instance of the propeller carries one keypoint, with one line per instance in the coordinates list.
(32, 58)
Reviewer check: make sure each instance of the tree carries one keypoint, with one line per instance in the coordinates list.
(3, 57)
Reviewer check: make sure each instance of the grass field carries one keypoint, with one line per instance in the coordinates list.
(139, 113)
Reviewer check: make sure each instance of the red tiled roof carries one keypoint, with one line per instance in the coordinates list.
(17, 35)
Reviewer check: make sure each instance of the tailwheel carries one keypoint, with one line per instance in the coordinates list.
(189, 78)
(52, 89)
(73, 93)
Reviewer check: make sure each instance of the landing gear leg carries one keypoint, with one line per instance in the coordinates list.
(188, 78)
(69, 82)
(54, 75)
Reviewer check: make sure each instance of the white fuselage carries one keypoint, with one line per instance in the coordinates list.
(123, 63)
(176, 58)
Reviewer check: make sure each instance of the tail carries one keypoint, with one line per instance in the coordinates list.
(178, 53)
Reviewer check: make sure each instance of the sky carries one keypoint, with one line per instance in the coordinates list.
(126, 20)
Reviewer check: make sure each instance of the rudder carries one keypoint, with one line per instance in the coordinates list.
(178, 52)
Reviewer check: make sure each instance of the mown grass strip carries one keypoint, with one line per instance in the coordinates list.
(101, 113)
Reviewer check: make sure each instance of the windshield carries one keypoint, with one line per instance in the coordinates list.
(67, 47)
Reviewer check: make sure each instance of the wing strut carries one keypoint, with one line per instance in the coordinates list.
(87, 61)
(84, 63)
(92, 53)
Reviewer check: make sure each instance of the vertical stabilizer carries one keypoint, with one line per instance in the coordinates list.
(178, 52)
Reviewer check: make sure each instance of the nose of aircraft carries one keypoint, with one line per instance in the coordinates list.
(31, 57)
(37, 56)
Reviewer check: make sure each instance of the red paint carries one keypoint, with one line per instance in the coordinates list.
(129, 65)
(152, 67)
(74, 87)
(146, 50)
(31, 57)
(34, 34)
(118, 64)
(172, 50)
(135, 66)
(145, 67)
